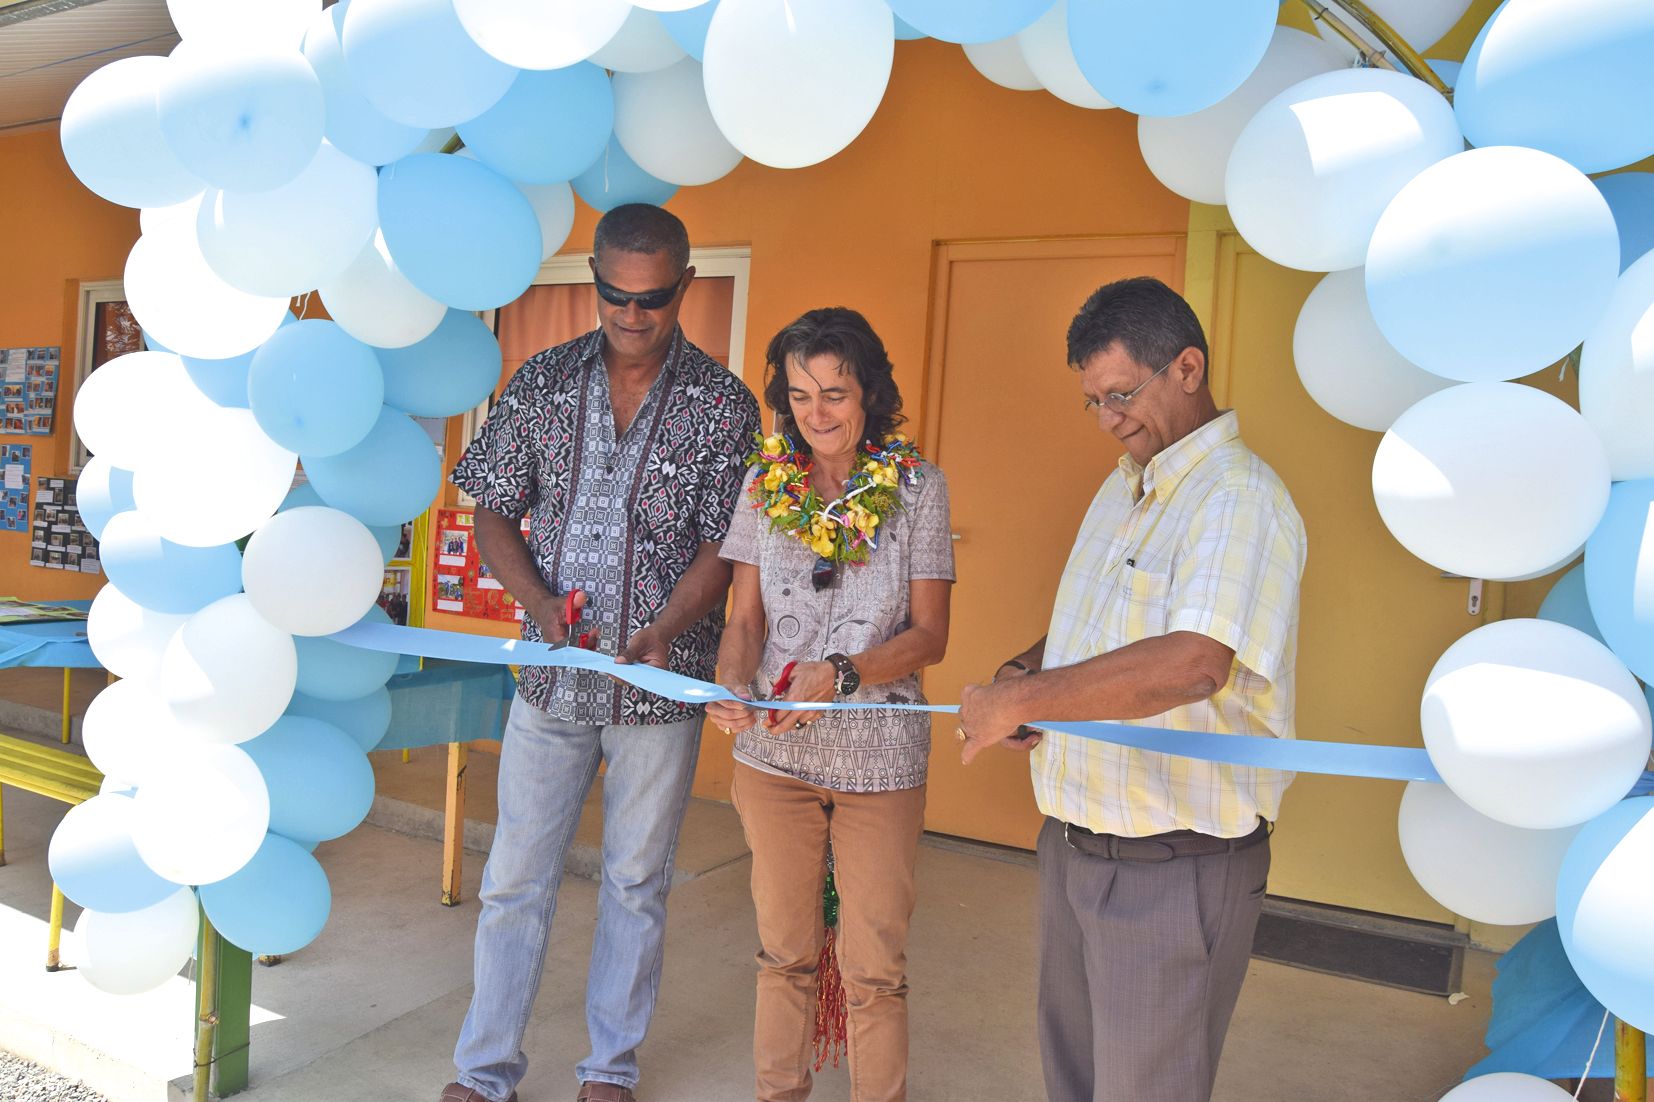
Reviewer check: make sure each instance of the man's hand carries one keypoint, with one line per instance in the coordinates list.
(649, 646)
(1026, 738)
(984, 719)
(547, 612)
(732, 718)
(812, 681)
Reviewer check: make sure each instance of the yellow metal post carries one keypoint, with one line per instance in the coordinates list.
(54, 930)
(66, 704)
(453, 825)
(1630, 1063)
(206, 1010)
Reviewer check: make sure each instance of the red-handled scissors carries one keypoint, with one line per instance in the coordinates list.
(585, 640)
(781, 685)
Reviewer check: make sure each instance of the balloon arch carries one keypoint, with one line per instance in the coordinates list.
(282, 149)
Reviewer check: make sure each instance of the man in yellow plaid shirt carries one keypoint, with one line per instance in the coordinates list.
(1178, 608)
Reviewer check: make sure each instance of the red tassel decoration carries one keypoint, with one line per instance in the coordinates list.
(832, 1015)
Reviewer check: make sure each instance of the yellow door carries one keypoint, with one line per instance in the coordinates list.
(1004, 421)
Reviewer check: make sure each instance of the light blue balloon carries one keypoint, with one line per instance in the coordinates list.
(548, 127)
(415, 63)
(448, 372)
(335, 671)
(365, 719)
(1171, 57)
(94, 861)
(166, 576)
(1601, 896)
(354, 125)
(320, 782)
(151, 344)
(1571, 79)
(1630, 196)
(967, 21)
(1619, 568)
(1566, 603)
(276, 903)
(390, 477)
(459, 231)
(241, 121)
(314, 388)
(225, 381)
(111, 136)
(688, 27)
(615, 180)
(101, 492)
(907, 32)
(1447, 70)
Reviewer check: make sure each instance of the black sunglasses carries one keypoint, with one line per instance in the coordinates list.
(646, 300)
(822, 573)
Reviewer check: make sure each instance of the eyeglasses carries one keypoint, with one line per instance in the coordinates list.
(646, 300)
(1121, 403)
(822, 573)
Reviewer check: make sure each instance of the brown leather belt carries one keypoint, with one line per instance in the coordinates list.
(1159, 847)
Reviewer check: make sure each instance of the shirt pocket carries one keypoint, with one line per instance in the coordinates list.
(1138, 608)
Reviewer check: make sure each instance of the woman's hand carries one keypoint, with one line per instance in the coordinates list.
(811, 682)
(730, 717)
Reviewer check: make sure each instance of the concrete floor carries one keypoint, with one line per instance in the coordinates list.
(370, 1010)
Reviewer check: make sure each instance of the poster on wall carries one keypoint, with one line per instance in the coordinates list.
(461, 585)
(14, 487)
(60, 541)
(396, 593)
(28, 389)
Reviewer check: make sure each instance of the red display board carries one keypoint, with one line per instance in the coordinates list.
(460, 584)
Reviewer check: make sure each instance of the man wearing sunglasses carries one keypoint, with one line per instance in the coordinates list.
(624, 448)
(1178, 608)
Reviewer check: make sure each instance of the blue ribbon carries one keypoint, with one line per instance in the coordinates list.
(1342, 759)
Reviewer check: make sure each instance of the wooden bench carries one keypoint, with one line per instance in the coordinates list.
(60, 775)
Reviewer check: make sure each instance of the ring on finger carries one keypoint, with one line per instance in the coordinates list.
(959, 732)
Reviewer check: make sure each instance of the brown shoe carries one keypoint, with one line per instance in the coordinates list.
(604, 1092)
(459, 1092)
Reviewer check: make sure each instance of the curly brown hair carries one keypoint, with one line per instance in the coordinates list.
(842, 332)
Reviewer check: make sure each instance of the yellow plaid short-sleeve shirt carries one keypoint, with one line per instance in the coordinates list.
(1205, 538)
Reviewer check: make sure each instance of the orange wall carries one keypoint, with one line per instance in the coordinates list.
(55, 234)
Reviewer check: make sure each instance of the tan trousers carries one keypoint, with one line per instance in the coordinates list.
(875, 839)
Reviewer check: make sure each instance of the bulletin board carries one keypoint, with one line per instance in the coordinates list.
(461, 584)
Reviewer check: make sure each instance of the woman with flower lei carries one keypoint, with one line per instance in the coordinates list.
(843, 570)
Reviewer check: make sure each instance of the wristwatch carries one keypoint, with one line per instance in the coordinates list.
(849, 678)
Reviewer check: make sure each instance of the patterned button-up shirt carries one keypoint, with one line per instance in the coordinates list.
(621, 518)
(1204, 538)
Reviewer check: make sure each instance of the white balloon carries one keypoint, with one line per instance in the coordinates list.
(641, 45)
(792, 82)
(664, 124)
(1616, 374)
(374, 302)
(541, 34)
(1478, 867)
(111, 136)
(122, 405)
(203, 817)
(1001, 61)
(184, 304)
(126, 638)
(1189, 153)
(1346, 364)
(129, 732)
(228, 673)
(312, 570)
(1535, 724)
(288, 240)
(554, 207)
(253, 22)
(1420, 23)
(1050, 58)
(1315, 167)
(215, 483)
(1461, 483)
(671, 5)
(137, 951)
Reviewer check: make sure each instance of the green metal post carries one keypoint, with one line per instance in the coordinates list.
(235, 1003)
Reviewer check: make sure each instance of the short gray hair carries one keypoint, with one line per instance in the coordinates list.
(643, 228)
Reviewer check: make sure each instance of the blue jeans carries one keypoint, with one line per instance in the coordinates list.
(546, 769)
